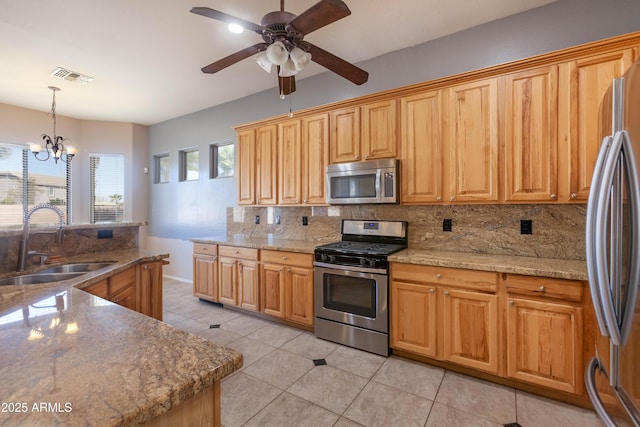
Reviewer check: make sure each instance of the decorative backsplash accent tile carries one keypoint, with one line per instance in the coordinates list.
(558, 230)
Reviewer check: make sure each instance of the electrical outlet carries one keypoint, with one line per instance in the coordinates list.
(257, 219)
(305, 221)
(277, 219)
(526, 226)
(446, 224)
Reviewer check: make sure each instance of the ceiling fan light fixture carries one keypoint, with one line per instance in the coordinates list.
(300, 58)
(264, 62)
(277, 53)
(236, 28)
(288, 69)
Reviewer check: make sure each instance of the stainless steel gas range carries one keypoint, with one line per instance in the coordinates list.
(351, 284)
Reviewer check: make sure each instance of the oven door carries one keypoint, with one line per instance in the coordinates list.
(352, 295)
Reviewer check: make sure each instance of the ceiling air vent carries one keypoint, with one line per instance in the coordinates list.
(70, 76)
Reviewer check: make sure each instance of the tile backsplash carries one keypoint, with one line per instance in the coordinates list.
(557, 230)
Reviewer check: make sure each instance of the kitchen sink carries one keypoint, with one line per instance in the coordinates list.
(83, 267)
(38, 278)
(55, 274)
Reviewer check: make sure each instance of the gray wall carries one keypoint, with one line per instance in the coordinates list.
(195, 209)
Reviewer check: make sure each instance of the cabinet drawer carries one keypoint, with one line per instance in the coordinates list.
(287, 258)
(238, 252)
(119, 281)
(205, 248)
(485, 281)
(567, 290)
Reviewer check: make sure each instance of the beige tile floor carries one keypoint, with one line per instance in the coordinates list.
(279, 385)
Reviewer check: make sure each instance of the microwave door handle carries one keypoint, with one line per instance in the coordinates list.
(594, 396)
(592, 212)
(633, 276)
(378, 185)
(603, 225)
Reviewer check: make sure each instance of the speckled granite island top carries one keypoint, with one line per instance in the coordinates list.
(70, 358)
(267, 243)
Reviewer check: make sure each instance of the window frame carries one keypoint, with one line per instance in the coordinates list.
(183, 171)
(214, 159)
(157, 161)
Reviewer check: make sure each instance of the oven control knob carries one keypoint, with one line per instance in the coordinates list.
(332, 258)
(324, 257)
(363, 262)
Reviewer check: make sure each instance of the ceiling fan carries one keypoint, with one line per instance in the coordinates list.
(284, 46)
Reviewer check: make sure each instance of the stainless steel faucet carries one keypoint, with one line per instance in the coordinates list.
(23, 251)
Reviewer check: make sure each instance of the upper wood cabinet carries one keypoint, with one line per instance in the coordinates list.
(246, 167)
(589, 79)
(421, 147)
(365, 132)
(531, 135)
(472, 141)
(267, 163)
(303, 154)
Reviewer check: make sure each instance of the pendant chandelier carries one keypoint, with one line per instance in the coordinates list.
(53, 145)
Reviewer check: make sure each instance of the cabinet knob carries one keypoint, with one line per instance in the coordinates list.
(438, 198)
(574, 195)
(366, 156)
(446, 293)
(438, 276)
(237, 252)
(541, 289)
(145, 267)
(431, 290)
(355, 157)
(280, 269)
(452, 198)
(554, 196)
(284, 258)
(511, 302)
(288, 270)
(305, 201)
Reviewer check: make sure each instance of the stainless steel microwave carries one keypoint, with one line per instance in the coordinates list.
(374, 181)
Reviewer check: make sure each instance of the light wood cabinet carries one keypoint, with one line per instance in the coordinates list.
(205, 271)
(589, 79)
(531, 135)
(472, 141)
(365, 132)
(421, 147)
(246, 167)
(238, 280)
(303, 154)
(150, 289)
(287, 286)
(267, 163)
(544, 332)
(446, 313)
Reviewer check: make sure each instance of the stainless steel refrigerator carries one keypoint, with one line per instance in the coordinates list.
(613, 258)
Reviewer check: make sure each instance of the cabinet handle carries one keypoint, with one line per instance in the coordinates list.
(438, 198)
(511, 302)
(574, 196)
(355, 157)
(288, 270)
(446, 293)
(452, 198)
(237, 252)
(115, 300)
(431, 290)
(554, 196)
(239, 263)
(540, 289)
(284, 258)
(145, 267)
(438, 276)
(305, 201)
(366, 156)
(280, 269)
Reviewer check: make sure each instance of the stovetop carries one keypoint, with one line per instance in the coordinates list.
(359, 248)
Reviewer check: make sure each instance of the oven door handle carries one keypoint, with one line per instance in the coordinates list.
(350, 268)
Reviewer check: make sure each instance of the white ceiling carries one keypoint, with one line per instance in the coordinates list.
(145, 56)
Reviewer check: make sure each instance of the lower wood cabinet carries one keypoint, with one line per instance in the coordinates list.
(544, 332)
(238, 277)
(138, 288)
(287, 286)
(447, 314)
(205, 271)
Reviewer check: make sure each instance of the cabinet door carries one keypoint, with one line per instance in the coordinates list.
(421, 151)
(531, 135)
(205, 277)
(267, 163)
(544, 343)
(248, 285)
(100, 289)
(272, 284)
(589, 80)
(299, 295)
(413, 318)
(126, 297)
(379, 127)
(471, 329)
(227, 278)
(472, 137)
(289, 162)
(345, 135)
(246, 167)
(150, 289)
(315, 158)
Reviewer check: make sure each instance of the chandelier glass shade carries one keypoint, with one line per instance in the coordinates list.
(53, 145)
(289, 62)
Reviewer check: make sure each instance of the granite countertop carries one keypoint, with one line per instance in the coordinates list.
(530, 266)
(92, 362)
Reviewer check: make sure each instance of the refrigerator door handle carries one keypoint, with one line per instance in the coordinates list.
(592, 214)
(633, 276)
(601, 228)
(590, 385)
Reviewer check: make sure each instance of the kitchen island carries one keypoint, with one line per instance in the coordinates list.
(71, 358)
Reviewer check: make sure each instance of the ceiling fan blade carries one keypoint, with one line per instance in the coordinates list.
(337, 65)
(286, 85)
(233, 58)
(320, 14)
(225, 17)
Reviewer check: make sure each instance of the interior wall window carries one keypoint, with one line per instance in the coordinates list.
(189, 164)
(221, 160)
(160, 168)
(106, 188)
(26, 182)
